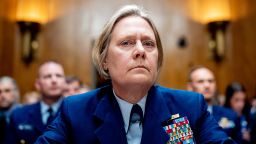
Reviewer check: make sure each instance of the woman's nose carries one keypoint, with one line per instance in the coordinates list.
(139, 50)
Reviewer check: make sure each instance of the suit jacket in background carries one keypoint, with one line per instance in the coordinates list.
(95, 117)
(25, 125)
(2, 125)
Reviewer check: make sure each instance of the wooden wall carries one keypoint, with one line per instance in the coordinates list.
(7, 36)
(243, 48)
(73, 25)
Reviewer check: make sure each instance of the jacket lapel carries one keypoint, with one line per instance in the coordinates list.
(156, 112)
(36, 118)
(111, 129)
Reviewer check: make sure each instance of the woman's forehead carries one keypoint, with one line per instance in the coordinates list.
(132, 25)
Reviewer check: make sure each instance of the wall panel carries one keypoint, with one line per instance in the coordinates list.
(7, 32)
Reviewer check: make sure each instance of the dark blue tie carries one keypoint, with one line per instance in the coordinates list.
(50, 117)
(135, 125)
(136, 114)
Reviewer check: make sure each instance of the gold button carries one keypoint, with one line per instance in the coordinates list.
(22, 141)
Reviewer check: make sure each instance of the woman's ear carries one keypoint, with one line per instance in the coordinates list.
(105, 67)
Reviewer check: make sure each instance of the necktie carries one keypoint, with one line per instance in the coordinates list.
(135, 125)
(50, 117)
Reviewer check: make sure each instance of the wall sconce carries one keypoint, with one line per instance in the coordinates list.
(29, 34)
(217, 18)
(31, 14)
(217, 43)
(215, 14)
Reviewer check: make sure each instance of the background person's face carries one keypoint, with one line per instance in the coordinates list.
(132, 54)
(203, 81)
(237, 102)
(51, 81)
(7, 94)
(72, 88)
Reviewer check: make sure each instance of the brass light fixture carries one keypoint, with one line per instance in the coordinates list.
(217, 42)
(29, 39)
(31, 14)
(216, 15)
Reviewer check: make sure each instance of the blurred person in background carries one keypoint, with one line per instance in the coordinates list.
(9, 94)
(202, 80)
(236, 100)
(74, 86)
(253, 105)
(29, 121)
(9, 99)
(31, 97)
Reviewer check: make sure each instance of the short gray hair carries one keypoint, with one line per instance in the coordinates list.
(7, 79)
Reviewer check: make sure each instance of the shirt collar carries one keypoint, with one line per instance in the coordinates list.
(209, 109)
(45, 107)
(126, 108)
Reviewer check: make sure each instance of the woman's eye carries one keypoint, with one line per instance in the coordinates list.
(149, 43)
(127, 43)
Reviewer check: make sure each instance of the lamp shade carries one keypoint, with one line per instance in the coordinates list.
(32, 11)
(215, 10)
(206, 11)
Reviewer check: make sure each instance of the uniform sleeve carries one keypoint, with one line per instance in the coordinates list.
(10, 136)
(208, 129)
(58, 131)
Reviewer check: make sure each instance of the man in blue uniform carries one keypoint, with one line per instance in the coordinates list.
(9, 100)
(29, 121)
(202, 80)
(132, 109)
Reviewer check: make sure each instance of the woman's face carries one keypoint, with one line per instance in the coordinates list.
(132, 54)
(237, 102)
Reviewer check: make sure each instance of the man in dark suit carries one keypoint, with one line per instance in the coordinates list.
(132, 109)
(29, 121)
(9, 98)
(202, 80)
